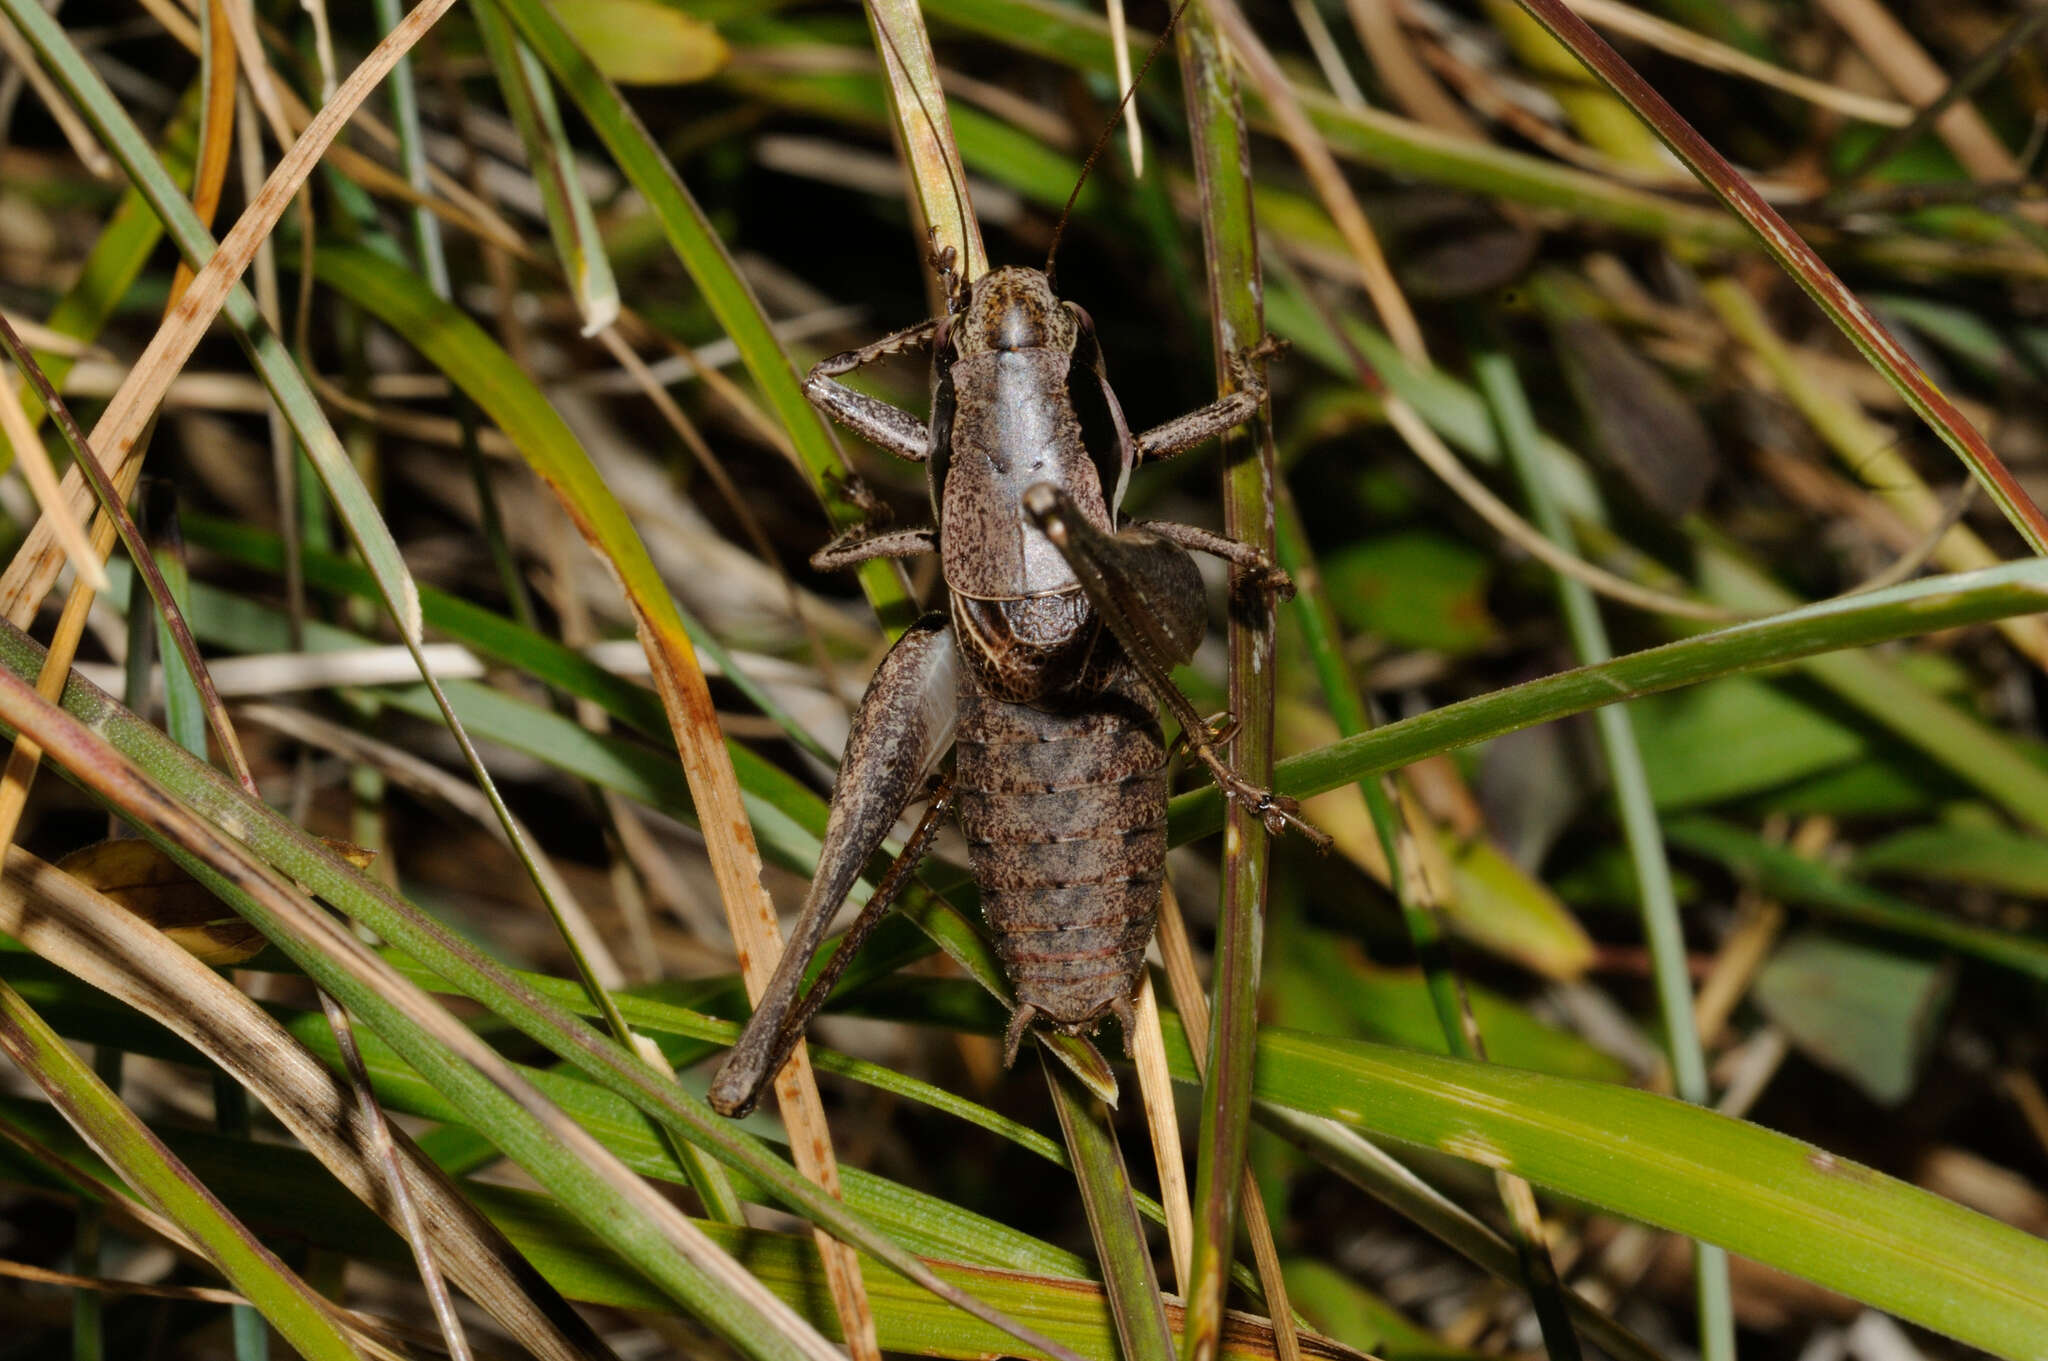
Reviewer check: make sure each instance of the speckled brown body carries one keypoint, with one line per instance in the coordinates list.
(1045, 672)
(1064, 807)
(1061, 768)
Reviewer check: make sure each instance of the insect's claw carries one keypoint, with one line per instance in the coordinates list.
(1270, 580)
(1279, 813)
(1270, 346)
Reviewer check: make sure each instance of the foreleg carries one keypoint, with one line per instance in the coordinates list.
(1221, 416)
(887, 427)
(901, 731)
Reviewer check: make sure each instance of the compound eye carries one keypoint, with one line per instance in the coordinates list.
(1085, 322)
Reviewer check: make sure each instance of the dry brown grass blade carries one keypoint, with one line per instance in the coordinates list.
(90, 936)
(1406, 79)
(40, 563)
(77, 135)
(1155, 1086)
(1687, 45)
(757, 937)
(1905, 65)
(120, 428)
(41, 474)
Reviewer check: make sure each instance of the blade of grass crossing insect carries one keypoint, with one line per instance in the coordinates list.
(489, 377)
(298, 1313)
(710, 1178)
(1799, 260)
(690, 235)
(616, 1203)
(1829, 627)
(1495, 372)
(271, 839)
(1216, 121)
(1105, 1183)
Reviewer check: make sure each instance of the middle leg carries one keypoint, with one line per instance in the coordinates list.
(1141, 583)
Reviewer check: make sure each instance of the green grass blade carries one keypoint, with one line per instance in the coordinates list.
(530, 100)
(1830, 626)
(689, 233)
(141, 1159)
(1105, 1185)
(1783, 873)
(1950, 736)
(1237, 322)
(1763, 1195)
(1497, 378)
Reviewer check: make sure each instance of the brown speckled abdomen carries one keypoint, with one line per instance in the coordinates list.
(1064, 807)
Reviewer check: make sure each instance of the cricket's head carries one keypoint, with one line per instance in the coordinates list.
(1013, 308)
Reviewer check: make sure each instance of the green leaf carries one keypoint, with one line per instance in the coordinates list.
(1735, 738)
(1972, 852)
(645, 42)
(1684, 1168)
(1830, 626)
(1325, 985)
(1868, 1014)
(1416, 588)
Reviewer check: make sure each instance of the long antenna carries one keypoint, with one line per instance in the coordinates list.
(1108, 131)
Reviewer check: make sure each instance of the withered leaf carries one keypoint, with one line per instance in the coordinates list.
(146, 881)
(1641, 424)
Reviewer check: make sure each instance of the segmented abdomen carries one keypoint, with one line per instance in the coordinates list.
(1064, 807)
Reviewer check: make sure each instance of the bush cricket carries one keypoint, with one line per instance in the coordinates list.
(1045, 669)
